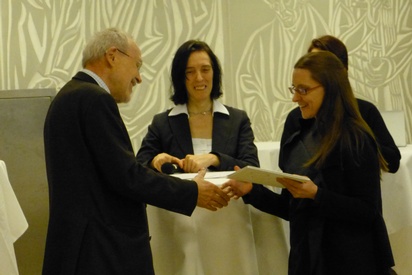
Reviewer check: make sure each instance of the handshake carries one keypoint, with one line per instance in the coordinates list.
(210, 196)
(213, 197)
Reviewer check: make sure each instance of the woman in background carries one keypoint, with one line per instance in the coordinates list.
(199, 132)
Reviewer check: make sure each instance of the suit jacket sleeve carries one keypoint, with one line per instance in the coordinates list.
(110, 145)
(268, 201)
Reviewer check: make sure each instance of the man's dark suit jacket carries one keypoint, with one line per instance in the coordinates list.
(98, 191)
(232, 139)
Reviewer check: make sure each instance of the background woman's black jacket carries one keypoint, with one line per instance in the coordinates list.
(232, 139)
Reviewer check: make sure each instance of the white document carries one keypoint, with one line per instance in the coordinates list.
(263, 176)
(217, 178)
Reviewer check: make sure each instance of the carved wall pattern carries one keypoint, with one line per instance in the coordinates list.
(257, 42)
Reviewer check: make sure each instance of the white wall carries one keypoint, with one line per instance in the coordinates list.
(257, 42)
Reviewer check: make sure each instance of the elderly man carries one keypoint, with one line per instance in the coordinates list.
(98, 192)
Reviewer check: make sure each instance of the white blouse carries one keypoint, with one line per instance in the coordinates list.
(202, 145)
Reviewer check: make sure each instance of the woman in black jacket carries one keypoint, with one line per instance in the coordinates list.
(198, 131)
(336, 224)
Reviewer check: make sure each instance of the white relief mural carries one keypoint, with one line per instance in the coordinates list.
(378, 34)
(38, 43)
(264, 72)
(42, 42)
(379, 39)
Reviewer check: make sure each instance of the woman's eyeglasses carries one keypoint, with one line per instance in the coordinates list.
(300, 90)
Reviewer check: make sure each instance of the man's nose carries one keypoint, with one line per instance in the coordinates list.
(138, 78)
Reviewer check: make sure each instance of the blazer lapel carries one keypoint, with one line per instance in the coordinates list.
(221, 132)
(181, 130)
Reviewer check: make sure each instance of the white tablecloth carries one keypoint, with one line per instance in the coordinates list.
(397, 211)
(237, 239)
(12, 224)
(397, 194)
(240, 239)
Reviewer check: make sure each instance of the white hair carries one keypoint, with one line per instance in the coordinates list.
(103, 40)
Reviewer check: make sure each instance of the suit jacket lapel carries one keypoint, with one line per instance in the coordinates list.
(181, 130)
(221, 132)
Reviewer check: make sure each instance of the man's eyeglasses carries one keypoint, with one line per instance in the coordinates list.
(300, 90)
(123, 53)
(138, 64)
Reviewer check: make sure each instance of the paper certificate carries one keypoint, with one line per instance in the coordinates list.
(263, 176)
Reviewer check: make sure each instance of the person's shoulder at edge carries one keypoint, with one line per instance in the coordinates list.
(389, 149)
(366, 106)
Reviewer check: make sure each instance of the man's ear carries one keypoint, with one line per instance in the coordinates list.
(110, 55)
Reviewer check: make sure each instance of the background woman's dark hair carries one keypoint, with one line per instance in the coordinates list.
(339, 120)
(178, 87)
(331, 44)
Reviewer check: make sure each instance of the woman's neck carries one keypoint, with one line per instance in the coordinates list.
(197, 108)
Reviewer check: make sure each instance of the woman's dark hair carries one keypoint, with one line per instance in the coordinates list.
(331, 44)
(338, 119)
(178, 87)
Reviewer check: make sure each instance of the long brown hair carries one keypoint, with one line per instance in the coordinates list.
(338, 119)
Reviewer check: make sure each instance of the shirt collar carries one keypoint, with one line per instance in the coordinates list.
(96, 78)
(182, 109)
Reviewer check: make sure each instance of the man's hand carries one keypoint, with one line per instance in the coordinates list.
(209, 195)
